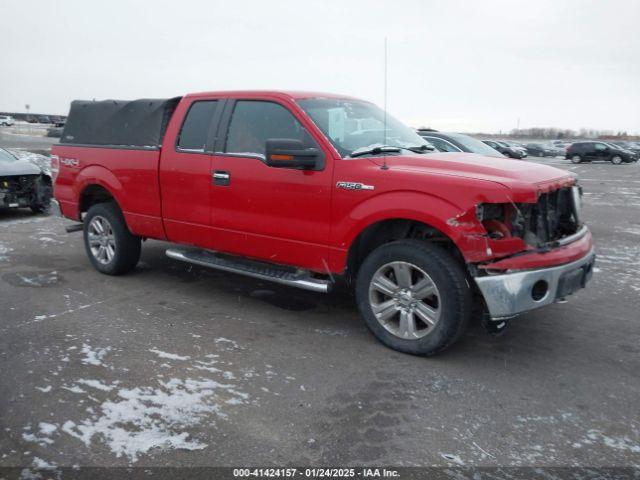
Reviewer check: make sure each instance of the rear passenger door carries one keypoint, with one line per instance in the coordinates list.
(279, 215)
(185, 174)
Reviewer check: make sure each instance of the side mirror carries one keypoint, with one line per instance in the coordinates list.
(289, 153)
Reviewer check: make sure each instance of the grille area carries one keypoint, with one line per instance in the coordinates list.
(18, 190)
(552, 218)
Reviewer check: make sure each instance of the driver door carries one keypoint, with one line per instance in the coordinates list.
(280, 215)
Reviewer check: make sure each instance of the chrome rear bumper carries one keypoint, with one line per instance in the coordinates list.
(509, 294)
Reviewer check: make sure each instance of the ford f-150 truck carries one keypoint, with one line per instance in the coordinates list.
(302, 188)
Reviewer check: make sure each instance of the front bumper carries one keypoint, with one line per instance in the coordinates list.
(510, 294)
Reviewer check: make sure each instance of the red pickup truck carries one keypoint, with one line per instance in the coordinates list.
(299, 188)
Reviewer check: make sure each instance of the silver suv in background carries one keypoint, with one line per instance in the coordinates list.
(6, 120)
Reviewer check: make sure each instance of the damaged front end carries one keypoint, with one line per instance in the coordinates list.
(515, 227)
(540, 251)
(25, 191)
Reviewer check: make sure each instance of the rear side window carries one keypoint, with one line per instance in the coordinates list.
(195, 128)
(253, 122)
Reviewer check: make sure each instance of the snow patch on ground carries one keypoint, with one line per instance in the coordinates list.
(42, 436)
(93, 357)
(168, 356)
(4, 250)
(620, 443)
(227, 343)
(144, 418)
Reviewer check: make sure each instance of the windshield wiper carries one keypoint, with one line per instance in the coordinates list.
(420, 149)
(387, 149)
(375, 150)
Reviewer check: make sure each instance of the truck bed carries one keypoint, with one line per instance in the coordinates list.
(131, 174)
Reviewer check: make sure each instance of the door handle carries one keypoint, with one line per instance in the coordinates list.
(222, 178)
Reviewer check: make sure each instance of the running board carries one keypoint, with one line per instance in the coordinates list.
(252, 268)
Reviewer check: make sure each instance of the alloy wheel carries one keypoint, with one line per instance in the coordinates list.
(405, 300)
(101, 239)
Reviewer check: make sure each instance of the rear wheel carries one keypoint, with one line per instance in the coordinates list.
(616, 159)
(414, 297)
(576, 159)
(111, 247)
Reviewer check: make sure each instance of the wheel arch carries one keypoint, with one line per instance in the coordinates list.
(97, 185)
(388, 230)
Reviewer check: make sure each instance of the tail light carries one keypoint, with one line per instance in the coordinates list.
(55, 167)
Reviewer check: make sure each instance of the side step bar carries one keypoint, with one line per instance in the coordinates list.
(252, 268)
(75, 227)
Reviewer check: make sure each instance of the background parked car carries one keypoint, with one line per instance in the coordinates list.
(23, 184)
(515, 146)
(458, 142)
(505, 149)
(593, 151)
(633, 146)
(541, 150)
(55, 132)
(6, 120)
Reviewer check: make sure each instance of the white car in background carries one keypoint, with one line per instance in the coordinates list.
(6, 120)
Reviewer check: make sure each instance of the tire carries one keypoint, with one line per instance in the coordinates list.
(576, 159)
(616, 159)
(114, 250)
(448, 303)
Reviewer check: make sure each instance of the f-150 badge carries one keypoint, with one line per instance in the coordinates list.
(354, 186)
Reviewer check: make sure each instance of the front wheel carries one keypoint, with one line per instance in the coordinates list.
(414, 297)
(616, 159)
(111, 247)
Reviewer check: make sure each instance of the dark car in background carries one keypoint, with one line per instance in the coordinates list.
(505, 149)
(23, 184)
(633, 146)
(541, 150)
(458, 142)
(515, 146)
(599, 151)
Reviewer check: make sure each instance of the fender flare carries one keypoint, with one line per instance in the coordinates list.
(421, 207)
(450, 219)
(97, 175)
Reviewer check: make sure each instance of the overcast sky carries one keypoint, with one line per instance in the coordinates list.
(453, 65)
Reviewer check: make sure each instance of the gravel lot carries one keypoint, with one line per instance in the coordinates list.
(183, 366)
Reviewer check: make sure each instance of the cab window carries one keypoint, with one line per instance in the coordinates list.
(195, 128)
(255, 121)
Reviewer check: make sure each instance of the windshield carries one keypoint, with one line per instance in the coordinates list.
(474, 145)
(355, 125)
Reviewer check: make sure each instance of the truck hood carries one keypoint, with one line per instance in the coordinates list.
(513, 174)
(18, 167)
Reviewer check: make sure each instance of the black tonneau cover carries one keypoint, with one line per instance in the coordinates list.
(118, 123)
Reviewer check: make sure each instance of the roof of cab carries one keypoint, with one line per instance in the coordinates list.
(292, 94)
